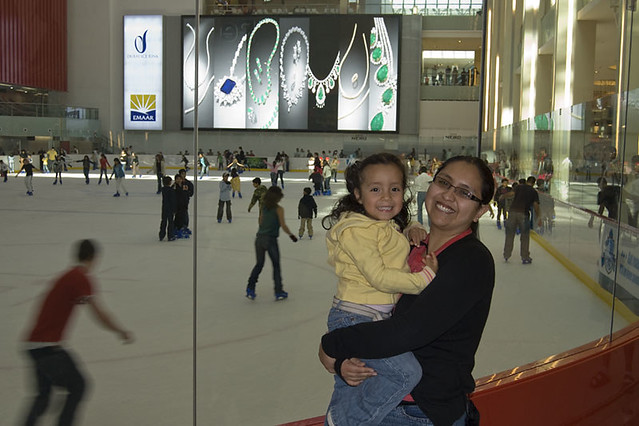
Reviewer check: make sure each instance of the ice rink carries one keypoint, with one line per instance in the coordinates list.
(202, 349)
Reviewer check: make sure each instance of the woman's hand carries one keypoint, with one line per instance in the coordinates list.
(327, 361)
(354, 371)
(415, 234)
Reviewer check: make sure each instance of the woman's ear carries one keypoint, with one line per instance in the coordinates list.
(482, 210)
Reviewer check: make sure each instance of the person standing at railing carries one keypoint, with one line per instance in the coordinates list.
(524, 197)
(607, 199)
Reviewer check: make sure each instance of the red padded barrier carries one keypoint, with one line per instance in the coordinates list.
(594, 384)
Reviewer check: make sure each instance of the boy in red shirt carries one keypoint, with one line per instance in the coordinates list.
(54, 366)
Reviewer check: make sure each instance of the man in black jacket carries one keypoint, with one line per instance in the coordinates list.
(524, 197)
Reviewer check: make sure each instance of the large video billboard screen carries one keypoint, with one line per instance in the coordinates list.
(143, 38)
(316, 73)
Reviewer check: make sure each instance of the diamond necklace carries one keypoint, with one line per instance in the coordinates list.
(382, 55)
(262, 99)
(321, 88)
(229, 89)
(297, 85)
(206, 83)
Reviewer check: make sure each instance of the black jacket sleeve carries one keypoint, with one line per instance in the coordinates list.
(439, 314)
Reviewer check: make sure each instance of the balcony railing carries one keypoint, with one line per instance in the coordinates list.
(11, 109)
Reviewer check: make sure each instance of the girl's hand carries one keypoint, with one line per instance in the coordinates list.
(430, 260)
(416, 234)
(354, 371)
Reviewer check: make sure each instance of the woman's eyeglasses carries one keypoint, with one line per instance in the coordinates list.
(445, 185)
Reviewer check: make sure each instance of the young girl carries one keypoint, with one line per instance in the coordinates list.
(271, 219)
(57, 168)
(225, 199)
(369, 253)
(118, 171)
(235, 183)
(28, 178)
(135, 165)
(273, 168)
(86, 166)
(327, 173)
(104, 163)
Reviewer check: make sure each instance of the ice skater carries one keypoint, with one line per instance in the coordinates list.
(104, 164)
(305, 210)
(86, 166)
(28, 178)
(225, 199)
(271, 220)
(53, 364)
(118, 171)
(57, 169)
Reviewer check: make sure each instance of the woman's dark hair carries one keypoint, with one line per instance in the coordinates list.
(353, 176)
(86, 250)
(272, 197)
(486, 175)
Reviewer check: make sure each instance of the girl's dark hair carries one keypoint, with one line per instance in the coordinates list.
(486, 175)
(353, 176)
(272, 197)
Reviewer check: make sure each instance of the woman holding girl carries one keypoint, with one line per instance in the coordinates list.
(442, 326)
(369, 252)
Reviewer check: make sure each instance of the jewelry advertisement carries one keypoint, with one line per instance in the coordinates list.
(313, 73)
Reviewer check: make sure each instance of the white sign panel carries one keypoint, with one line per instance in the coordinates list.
(626, 265)
(143, 72)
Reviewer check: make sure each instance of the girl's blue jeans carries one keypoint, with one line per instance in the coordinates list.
(370, 402)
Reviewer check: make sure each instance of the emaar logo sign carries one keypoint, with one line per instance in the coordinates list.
(143, 108)
(143, 44)
(140, 42)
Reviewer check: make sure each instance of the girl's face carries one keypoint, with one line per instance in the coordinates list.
(448, 210)
(381, 191)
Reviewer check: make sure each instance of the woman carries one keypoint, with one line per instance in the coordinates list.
(158, 169)
(442, 326)
(271, 220)
(274, 169)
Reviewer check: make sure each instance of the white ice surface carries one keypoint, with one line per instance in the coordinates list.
(256, 362)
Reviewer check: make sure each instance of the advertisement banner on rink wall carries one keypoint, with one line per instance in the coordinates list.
(143, 36)
(626, 262)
